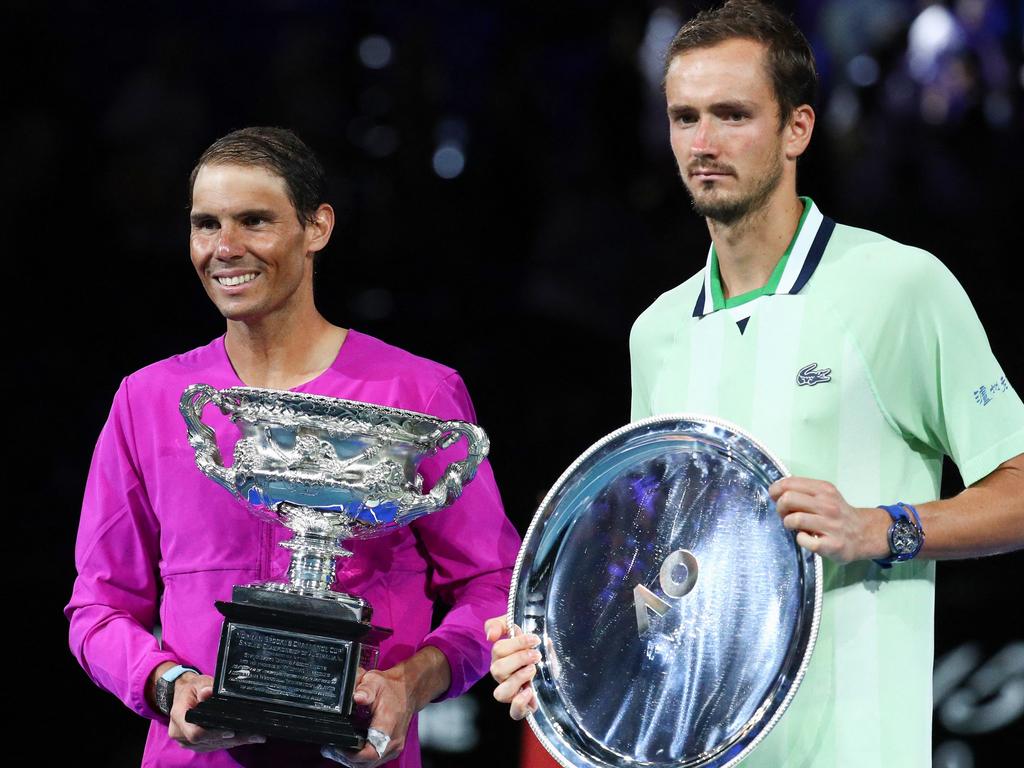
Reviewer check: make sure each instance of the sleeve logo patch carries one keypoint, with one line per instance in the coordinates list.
(810, 375)
(983, 395)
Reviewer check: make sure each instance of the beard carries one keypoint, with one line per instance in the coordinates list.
(729, 210)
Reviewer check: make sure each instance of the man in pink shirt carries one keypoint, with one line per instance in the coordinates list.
(159, 542)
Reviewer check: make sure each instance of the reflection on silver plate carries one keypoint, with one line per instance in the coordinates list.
(676, 614)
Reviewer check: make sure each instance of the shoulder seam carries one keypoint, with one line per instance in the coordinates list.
(136, 470)
(847, 331)
(444, 380)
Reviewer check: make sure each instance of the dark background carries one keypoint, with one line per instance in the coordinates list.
(524, 270)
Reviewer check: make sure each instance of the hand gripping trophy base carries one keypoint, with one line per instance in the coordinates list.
(297, 639)
(329, 470)
(288, 665)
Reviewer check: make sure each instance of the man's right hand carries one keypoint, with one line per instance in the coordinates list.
(189, 690)
(513, 665)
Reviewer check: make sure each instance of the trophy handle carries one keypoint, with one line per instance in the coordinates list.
(449, 487)
(201, 437)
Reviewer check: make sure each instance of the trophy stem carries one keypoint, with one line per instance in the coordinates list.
(313, 561)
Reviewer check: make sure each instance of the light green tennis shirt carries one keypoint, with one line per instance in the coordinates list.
(861, 362)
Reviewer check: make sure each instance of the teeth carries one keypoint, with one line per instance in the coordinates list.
(237, 280)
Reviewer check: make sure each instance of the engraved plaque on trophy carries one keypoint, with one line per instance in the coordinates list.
(329, 470)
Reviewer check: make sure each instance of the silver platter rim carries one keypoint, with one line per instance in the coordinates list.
(542, 737)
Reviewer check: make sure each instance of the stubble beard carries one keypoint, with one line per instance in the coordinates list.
(730, 211)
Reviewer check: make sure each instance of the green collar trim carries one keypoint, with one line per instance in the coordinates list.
(768, 289)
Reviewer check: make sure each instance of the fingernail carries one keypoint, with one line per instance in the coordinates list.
(331, 753)
(535, 655)
(532, 640)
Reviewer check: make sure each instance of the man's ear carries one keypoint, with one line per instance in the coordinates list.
(798, 131)
(318, 230)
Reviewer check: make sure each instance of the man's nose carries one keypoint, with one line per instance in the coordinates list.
(229, 244)
(705, 139)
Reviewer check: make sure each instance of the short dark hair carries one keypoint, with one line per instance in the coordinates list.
(277, 150)
(789, 58)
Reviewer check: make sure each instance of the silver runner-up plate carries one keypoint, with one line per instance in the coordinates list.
(676, 614)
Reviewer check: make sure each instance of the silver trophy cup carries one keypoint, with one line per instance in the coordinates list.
(328, 470)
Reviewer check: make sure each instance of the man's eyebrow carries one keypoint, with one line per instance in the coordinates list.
(260, 213)
(731, 105)
(678, 109)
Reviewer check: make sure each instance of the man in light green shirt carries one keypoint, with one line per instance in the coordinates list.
(858, 361)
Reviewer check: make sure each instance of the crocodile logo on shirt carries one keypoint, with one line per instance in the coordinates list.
(810, 375)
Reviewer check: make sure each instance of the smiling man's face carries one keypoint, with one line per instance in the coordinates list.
(247, 244)
(724, 128)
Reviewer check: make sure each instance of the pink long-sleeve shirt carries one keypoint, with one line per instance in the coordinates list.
(159, 542)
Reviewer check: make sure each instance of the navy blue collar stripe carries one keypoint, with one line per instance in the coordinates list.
(698, 311)
(815, 253)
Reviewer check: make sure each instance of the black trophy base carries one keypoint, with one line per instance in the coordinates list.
(287, 667)
(278, 721)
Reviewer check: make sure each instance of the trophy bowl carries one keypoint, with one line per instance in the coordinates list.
(328, 470)
(357, 459)
(676, 614)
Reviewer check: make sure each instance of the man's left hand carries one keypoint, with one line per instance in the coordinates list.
(826, 525)
(394, 696)
(391, 706)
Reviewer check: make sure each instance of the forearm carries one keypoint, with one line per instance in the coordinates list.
(115, 599)
(460, 635)
(985, 519)
(472, 550)
(427, 676)
(116, 652)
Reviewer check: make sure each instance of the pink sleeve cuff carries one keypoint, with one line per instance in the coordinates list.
(458, 684)
(137, 696)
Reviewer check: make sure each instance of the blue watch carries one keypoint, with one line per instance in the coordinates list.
(906, 536)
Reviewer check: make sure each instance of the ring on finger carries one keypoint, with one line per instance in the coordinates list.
(379, 740)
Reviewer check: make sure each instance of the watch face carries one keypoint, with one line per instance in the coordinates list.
(164, 695)
(904, 538)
